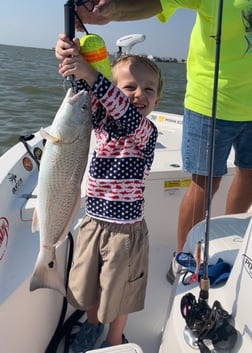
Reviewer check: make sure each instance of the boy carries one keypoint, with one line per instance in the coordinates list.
(109, 273)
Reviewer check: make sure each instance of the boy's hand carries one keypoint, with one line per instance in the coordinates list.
(75, 65)
(72, 62)
(66, 48)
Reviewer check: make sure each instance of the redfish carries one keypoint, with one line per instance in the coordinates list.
(61, 172)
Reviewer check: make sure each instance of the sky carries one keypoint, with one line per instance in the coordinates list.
(37, 24)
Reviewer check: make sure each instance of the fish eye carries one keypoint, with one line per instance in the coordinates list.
(84, 108)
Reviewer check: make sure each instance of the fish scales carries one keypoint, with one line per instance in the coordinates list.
(61, 172)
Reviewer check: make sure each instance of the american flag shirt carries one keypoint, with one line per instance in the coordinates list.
(123, 155)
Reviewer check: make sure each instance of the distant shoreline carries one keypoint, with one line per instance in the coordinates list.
(162, 59)
(114, 55)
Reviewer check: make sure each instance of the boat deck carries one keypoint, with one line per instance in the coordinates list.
(165, 187)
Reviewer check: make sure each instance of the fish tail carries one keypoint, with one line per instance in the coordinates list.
(46, 277)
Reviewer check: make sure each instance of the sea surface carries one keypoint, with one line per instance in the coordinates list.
(31, 91)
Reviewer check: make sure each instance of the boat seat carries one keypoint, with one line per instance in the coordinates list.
(122, 348)
(226, 236)
(238, 289)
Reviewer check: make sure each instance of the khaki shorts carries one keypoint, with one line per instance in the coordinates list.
(110, 267)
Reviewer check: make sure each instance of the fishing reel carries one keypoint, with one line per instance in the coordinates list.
(207, 328)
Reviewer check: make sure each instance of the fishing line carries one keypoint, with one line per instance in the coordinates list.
(88, 4)
(198, 211)
(81, 23)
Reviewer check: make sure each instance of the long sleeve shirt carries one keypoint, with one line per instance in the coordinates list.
(123, 155)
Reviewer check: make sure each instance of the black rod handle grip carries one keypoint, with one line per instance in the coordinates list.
(69, 9)
(69, 13)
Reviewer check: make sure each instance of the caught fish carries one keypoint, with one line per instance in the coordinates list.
(61, 172)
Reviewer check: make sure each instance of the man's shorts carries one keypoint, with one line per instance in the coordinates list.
(196, 142)
(110, 267)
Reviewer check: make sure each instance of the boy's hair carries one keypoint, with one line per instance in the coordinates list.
(144, 60)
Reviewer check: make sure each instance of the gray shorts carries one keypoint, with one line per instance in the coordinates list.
(110, 268)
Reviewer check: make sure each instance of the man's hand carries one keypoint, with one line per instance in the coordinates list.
(105, 11)
(102, 13)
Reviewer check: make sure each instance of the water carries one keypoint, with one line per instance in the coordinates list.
(31, 91)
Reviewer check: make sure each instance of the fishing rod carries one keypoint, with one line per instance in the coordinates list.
(208, 327)
(204, 282)
(69, 17)
(69, 13)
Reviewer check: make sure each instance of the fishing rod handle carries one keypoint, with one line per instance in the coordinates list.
(69, 13)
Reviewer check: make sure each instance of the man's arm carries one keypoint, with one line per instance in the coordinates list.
(106, 11)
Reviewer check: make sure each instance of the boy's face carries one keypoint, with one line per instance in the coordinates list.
(138, 82)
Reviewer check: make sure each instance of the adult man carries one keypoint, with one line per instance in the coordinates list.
(234, 108)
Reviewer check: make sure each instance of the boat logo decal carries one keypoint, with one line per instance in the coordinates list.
(27, 163)
(247, 263)
(4, 233)
(17, 183)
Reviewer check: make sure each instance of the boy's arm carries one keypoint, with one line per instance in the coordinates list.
(149, 149)
(111, 97)
(119, 107)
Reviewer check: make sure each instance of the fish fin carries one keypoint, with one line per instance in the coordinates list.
(35, 221)
(46, 276)
(49, 137)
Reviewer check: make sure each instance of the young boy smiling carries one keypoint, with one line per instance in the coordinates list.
(108, 277)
